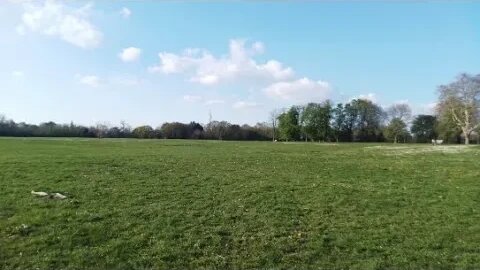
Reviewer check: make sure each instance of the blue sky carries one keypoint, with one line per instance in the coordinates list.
(147, 62)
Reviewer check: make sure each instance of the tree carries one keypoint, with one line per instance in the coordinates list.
(288, 124)
(217, 130)
(125, 129)
(261, 131)
(338, 121)
(114, 132)
(101, 130)
(316, 120)
(395, 129)
(366, 119)
(143, 132)
(424, 128)
(459, 102)
(401, 111)
(174, 130)
(273, 120)
(195, 130)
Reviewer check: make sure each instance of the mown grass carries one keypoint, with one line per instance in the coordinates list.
(236, 205)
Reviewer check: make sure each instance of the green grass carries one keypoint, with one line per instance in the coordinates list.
(236, 205)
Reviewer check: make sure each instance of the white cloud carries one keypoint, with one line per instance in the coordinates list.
(125, 12)
(114, 82)
(204, 68)
(56, 19)
(18, 74)
(214, 102)
(130, 54)
(370, 96)
(18, 1)
(192, 98)
(428, 108)
(245, 105)
(89, 80)
(301, 90)
(258, 47)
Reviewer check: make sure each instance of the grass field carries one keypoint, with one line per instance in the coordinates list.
(237, 205)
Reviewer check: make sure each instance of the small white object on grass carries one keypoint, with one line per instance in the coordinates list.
(51, 195)
(39, 193)
(59, 196)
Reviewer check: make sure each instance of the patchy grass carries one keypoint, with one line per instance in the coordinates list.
(236, 205)
(421, 149)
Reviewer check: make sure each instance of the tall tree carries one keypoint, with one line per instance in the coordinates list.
(401, 111)
(395, 129)
(101, 129)
(338, 121)
(424, 128)
(459, 102)
(274, 121)
(288, 124)
(368, 120)
(316, 120)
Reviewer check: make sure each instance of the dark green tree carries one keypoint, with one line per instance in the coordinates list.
(289, 124)
(143, 132)
(316, 120)
(424, 128)
(366, 119)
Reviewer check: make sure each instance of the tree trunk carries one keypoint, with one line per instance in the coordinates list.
(467, 139)
(395, 139)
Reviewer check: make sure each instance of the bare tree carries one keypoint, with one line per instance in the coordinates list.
(125, 128)
(101, 130)
(400, 111)
(459, 102)
(273, 120)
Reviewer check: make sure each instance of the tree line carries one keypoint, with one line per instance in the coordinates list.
(359, 120)
(215, 130)
(456, 120)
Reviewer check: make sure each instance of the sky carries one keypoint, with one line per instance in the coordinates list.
(149, 62)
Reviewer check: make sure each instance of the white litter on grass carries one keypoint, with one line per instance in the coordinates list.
(51, 195)
(411, 150)
(59, 196)
(39, 193)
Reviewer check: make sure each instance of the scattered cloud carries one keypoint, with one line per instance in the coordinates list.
(18, 1)
(53, 18)
(125, 12)
(130, 54)
(214, 102)
(192, 98)
(301, 90)
(89, 80)
(245, 105)
(204, 68)
(120, 81)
